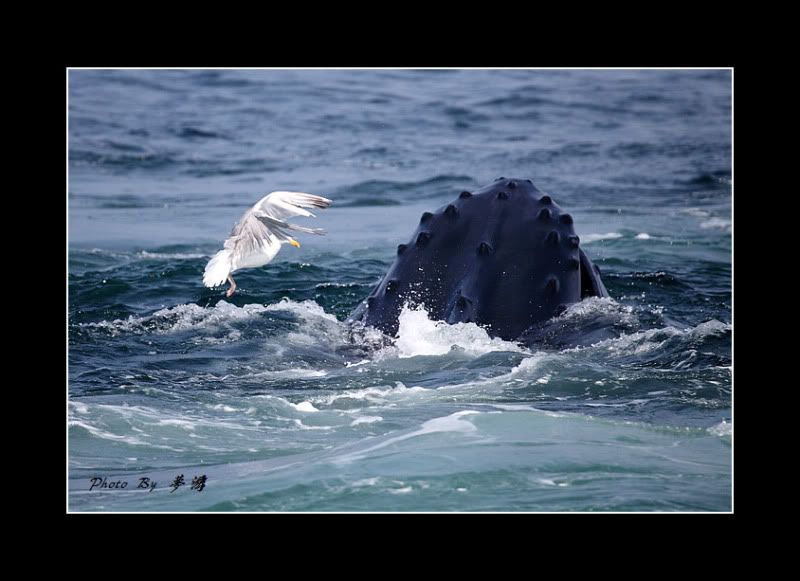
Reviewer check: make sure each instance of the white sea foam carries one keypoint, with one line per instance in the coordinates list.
(152, 423)
(530, 365)
(304, 406)
(95, 431)
(302, 426)
(106, 435)
(650, 340)
(362, 362)
(366, 420)
(514, 407)
(337, 285)
(78, 407)
(527, 370)
(419, 335)
(716, 224)
(317, 327)
(550, 482)
(721, 429)
(185, 424)
(181, 318)
(307, 310)
(601, 306)
(292, 373)
(403, 490)
(712, 327)
(231, 337)
(698, 212)
(642, 236)
(170, 255)
(529, 408)
(375, 395)
(587, 238)
(451, 423)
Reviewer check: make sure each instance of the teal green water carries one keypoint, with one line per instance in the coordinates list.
(282, 406)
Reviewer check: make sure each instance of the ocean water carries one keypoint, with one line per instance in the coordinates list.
(283, 407)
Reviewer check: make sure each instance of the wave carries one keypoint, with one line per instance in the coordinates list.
(454, 422)
(180, 318)
(113, 258)
(306, 310)
(716, 224)
(366, 420)
(418, 335)
(583, 323)
(192, 132)
(128, 439)
(616, 313)
(713, 179)
(370, 395)
(588, 238)
(315, 348)
(667, 349)
(651, 339)
(148, 160)
(386, 192)
(707, 220)
(192, 426)
(368, 202)
(722, 429)
(171, 255)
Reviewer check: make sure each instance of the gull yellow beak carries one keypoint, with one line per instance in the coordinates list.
(294, 243)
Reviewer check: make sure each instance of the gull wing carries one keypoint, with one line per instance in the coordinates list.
(283, 205)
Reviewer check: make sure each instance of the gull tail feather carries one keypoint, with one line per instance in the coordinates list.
(217, 269)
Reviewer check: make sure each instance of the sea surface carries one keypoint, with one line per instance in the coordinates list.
(280, 406)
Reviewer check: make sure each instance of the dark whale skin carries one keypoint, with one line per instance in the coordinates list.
(505, 257)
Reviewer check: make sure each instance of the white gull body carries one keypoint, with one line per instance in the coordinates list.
(259, 234)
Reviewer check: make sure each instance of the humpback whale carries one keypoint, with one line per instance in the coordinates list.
(505, 257)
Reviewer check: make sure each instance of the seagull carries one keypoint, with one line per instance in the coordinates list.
(259, 234)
